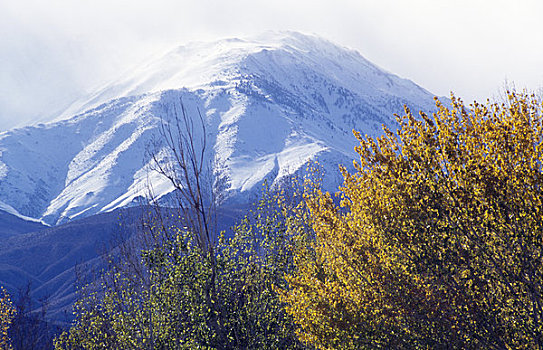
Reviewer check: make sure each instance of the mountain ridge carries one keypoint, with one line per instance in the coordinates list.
(270, 104)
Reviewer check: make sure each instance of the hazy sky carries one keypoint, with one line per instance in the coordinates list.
(52, 52)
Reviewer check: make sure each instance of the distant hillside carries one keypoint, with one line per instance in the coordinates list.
(47, 258)
(11, 225)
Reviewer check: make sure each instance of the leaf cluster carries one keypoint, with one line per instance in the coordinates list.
(7, 312)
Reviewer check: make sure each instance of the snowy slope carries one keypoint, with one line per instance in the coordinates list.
(270, 104)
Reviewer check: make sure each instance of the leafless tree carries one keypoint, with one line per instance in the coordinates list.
(187, 167)
(180, 155)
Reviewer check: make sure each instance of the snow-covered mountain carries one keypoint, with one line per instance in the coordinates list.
(270, 104)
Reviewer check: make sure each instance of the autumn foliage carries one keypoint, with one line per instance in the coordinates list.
(6, 316)
(438, 237)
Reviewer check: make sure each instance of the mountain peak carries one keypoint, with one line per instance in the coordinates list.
(198, 65)
(270, 102)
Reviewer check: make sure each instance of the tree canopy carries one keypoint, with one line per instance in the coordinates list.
(180, 297)
(438, 237)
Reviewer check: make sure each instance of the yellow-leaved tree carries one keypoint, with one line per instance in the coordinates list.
(6, 316)
(438, 237)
